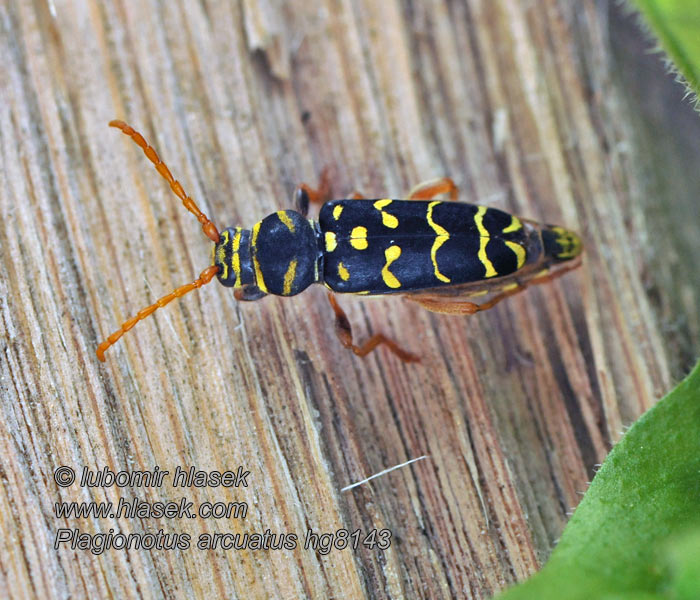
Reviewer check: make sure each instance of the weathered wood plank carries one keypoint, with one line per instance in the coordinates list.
(243, 100)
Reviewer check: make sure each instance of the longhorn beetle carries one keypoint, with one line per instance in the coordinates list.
(433, 253)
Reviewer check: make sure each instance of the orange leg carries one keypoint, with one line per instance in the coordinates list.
(344, 332)
(427, 190)
(464, 307)
(437, 305)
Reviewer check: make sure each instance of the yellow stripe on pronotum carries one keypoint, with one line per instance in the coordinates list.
(484, 240)
(284, 217)
(256, 264)
(289, 277)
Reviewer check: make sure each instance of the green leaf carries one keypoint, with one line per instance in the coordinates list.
(636, 533)
(684, 563)
(676, 23)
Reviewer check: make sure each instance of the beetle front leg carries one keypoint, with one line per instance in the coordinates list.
(305, 195)
(248, 293)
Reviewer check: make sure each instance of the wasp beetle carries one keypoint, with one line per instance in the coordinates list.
(434, 253)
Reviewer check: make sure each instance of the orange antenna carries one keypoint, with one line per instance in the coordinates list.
(208, 227)
(205, 277)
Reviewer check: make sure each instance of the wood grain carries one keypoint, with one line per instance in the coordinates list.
(514, 100)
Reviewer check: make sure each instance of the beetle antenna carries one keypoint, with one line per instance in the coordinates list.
(205, 277)
(208, 227)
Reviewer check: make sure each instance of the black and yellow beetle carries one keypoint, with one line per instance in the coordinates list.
(432, 252)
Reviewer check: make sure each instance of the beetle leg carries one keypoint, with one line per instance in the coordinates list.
(344, 332)
(439, 305)
(248, 293)
(304, 194)
(464, 307)
(427, 190)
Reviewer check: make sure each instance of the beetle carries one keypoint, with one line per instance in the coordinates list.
(435, 253)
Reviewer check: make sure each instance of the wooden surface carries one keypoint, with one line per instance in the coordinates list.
(665, 135)
(516, 101)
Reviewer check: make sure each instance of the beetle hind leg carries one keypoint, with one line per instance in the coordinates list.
(438, 304)
(344, 332)
(464, 307)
